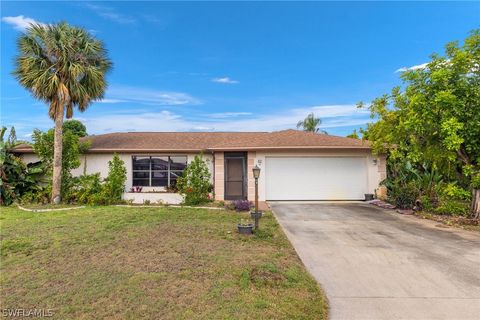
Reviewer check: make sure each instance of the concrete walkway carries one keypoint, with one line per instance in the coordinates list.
(377, 264)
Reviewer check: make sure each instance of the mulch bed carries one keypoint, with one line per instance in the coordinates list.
(458, 221)
(450, 220)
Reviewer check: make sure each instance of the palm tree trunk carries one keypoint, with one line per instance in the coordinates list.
(57, 155)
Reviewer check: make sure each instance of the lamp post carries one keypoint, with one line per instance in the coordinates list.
(257, 214)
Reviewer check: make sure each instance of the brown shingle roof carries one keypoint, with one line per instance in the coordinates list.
(199, 141)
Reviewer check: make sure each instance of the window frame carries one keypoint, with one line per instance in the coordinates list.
(150, 170)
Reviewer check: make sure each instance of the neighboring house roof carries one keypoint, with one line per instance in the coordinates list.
(213, 141)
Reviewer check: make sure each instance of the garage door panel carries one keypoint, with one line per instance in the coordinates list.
(315, 178)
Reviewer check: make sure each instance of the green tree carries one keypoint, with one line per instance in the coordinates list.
(195, 184)
(72, 148)
(65, 67)
(311, 123)
(76, 126)
(434, 118)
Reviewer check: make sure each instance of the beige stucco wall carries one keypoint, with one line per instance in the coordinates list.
(98, 162)
(92, 163)
(29, 157)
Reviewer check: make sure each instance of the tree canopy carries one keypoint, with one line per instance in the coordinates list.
(311, 123)
(76, 127)
(61, 64)
(434, 117)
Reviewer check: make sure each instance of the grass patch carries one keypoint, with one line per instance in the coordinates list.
(175, 263)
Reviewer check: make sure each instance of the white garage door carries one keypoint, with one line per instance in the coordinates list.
(315, 178)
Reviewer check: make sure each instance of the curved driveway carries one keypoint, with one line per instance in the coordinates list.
(377, 264)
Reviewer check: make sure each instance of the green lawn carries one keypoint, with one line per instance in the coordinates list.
(158, 263)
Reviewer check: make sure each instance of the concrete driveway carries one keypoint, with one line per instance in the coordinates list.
(377, 264)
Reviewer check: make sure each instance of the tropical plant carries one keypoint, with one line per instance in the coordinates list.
(65, 67)
(354, 135)
(406, 183)
(17, 178)
(434, 118)
(195, 184)
(311, 123)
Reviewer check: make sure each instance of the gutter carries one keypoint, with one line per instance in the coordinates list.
(211, 150)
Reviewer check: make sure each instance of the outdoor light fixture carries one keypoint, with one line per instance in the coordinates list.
(375, 162)
(257, 214)
(256, 172)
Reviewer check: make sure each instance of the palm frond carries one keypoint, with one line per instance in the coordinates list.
(62, 65)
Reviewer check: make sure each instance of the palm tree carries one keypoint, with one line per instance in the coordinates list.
(65, 67)
(311, 123)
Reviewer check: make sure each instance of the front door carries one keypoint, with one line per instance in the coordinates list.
(235, 173)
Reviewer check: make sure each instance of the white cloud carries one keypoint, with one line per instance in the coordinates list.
(138, 119)
(416, 67)
(112, 101)
(20, 23)
(226, 80)
(333, 116)
(223, 115)
(110, 14)
(117, 94)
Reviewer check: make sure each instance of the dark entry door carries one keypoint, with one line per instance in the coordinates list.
(235, 173)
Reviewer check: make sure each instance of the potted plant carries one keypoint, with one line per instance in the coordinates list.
(256, 214)
(245, 227)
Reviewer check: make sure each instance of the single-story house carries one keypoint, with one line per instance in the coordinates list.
(295, 165)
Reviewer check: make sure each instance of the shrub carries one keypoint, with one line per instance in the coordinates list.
(115, 182)
(404, 196)
(240, 205)
(451, 191)
(86, 189)
(452, 207)
(89, 188)
(194, 184)
(40, 196)
(425, 203)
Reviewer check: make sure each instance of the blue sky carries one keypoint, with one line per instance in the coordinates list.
(231, 66)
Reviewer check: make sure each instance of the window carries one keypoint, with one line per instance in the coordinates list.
(157, 171)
